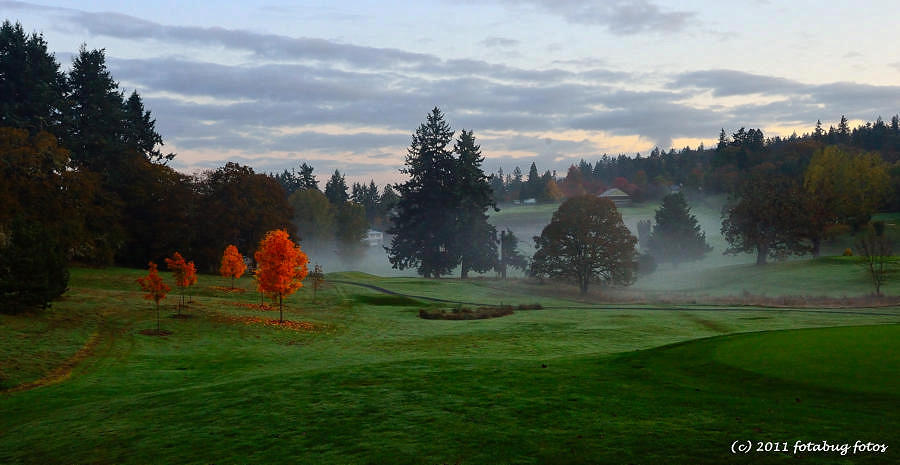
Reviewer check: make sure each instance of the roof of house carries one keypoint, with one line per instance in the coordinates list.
(614, 192)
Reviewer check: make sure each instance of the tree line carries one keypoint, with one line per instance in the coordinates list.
(83, 178)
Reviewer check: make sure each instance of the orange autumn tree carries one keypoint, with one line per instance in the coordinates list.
(190, 274)
(185, 274)
(155, 288)
(232, 264)
(280, 267)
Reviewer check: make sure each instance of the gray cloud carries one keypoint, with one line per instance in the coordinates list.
(804, 102)
(499, 42)
(385, 93)
(622, 17)
(726, 83)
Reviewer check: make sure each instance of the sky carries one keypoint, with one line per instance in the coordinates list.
(343, 85)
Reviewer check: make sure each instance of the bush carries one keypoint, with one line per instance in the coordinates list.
(33, 267)
(848, 252)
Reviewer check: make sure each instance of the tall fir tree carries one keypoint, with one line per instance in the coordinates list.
(32, 88)
(307, 178)
(510, 256)
(423, 231)
(336, 189)
(477, 238)
(532, 187)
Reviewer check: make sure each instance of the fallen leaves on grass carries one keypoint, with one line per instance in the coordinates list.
(231, 290)
(287, 324)
(262, 308)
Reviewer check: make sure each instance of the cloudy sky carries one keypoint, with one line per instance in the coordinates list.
(344, 84)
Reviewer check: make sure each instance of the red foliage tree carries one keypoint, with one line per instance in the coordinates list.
(185, 274)
(155, 288)
(233, 265)
(281, 266)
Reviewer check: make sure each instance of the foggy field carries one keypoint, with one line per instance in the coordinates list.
(367, 381)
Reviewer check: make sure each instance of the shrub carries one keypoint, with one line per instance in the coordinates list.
(33, 267)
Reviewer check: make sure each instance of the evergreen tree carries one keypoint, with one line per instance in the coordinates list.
(306, 178)
(532, 188)
(32, 88)
(510, 256)
(423, 231)
(289, 181)
(336, 189)
(676, 236)
(139, 131)
(477, 238)
(843, 130)
(95, 115)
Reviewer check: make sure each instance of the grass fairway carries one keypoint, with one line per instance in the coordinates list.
(369, 382)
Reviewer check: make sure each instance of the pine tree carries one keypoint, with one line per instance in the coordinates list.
(139, 131)
(532, 187)
(423, 232)
(336, 189)
(306, 177)
(477, 238)
(509, 254)
(676, 236)
(32, 88)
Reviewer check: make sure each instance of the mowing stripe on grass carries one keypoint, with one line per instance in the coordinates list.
(619, 307)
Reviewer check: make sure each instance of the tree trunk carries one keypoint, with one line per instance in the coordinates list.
(816, 246)
(280, 309)
(761, 252)
(232, 282)
(583, 286)
(157, 318)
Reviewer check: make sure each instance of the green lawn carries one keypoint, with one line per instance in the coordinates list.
(372, 383)
(825, 276)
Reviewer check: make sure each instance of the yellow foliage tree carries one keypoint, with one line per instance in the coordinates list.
(849, 188)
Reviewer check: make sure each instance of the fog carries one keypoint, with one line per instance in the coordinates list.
(527, 221)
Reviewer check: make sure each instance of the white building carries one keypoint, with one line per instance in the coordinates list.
(374, 238)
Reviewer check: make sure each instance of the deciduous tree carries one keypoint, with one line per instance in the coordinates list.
(586, 241)
(875, 251)
(766, 216)
(280, 266)
(351, 230)
(233, 265)
(314, 217)
(155, 289)
(318, 278)
(185, 274)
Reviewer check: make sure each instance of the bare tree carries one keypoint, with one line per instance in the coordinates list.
(875, 250)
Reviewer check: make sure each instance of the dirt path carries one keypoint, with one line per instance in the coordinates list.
(63, 371)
